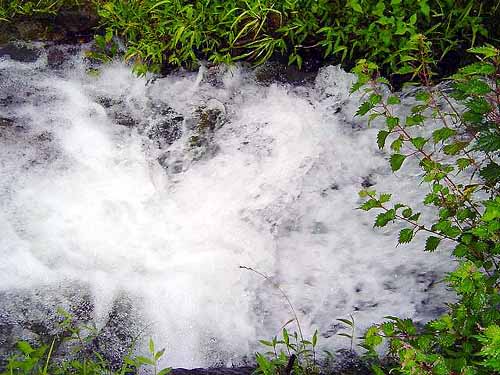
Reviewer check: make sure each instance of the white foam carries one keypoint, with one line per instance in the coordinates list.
(280, 196)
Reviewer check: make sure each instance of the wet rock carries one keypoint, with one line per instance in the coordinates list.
(107, 102)
(19, 52)
(274, 71)
(214, 75)
(125, 119)
(166, 132)
(116, 338)
(23, 30)
(55, 57)
(77, 22)
(171, 162)
(32, 315)
(203, 125)
(347, 362)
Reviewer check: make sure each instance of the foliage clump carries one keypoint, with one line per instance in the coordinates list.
(180, 32)
(458, 158)
(77, 356)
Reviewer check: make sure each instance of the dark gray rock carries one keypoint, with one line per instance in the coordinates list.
(19, 52)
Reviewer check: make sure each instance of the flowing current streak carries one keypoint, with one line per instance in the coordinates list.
(85, 206)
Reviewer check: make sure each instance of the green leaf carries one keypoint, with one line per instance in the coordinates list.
(25, 347)
(432, 243)
(479, 68)
(356, 6)
(488, 141)
(392, 122)
(370, 204)
(442, 134)
(419, 142)
(396, 161)
(346, 321)
(405, 235)
(392, 100)
(491, 173)
(384, 198)
(463, 163)
(422, 96)
(144, 360)
(266, 343)
(454, 148)
(384, 218)
(159, 354)
(415, 120)
(364, 108)
(381, 138)
(484, 51)
(397, 144)
(151, 346)
(165, 371)
(407, 212)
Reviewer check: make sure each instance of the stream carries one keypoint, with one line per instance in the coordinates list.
(132, 203)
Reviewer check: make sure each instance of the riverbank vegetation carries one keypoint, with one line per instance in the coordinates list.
(169, 33)
(458, 156)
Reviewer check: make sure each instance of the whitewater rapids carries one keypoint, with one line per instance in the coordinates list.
(89, 213)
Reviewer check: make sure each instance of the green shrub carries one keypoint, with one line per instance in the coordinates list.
(459, 162)
(179, 32)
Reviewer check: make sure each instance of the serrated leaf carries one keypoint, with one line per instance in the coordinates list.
(407, 212)
(454, 148)
(442, 134)
(392, 122)
(479, 68)
(484, 51)
(419, 142)
(414, 120)
(381, 138)
(422, 96)
(364, 108)
(396, 161)
(463, 163)
(397, 144)
(384, 198)
(369, 204)
(431, 243)
(488, 141)
(405, 235)
(25, 347)
(383, 218)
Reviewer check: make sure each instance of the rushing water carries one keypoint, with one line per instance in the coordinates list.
(98, 207)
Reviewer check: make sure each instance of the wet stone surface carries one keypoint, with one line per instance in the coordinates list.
(19, 52)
